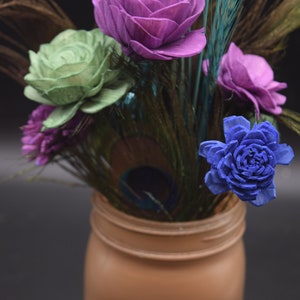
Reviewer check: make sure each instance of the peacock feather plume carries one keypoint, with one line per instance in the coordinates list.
(25, 24)
(265, 26)
(148, 165)
(144, 150)
(141, 151)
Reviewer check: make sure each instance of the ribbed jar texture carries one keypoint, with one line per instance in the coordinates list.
(128, 258)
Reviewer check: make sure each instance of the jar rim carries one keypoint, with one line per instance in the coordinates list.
(166, 240)
(136, 224)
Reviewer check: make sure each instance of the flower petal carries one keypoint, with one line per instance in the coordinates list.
(149, 32)
(233, 121)
(147, 53)
(191, 44)
(215, 186)
(60, 115)
(141, 8)
(258, 69)
(278, 99)
(265, 195)
(275, 86)
(178, 12)
(284, 154)
(106, 97)
(34, 95)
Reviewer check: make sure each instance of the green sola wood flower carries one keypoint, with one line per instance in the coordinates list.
(75, 71)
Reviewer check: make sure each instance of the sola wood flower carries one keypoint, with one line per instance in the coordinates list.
(246, 162)
(42, 146)
(250, 78)
(74, 71)
(152, 29)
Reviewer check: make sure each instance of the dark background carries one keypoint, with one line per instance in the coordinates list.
(44, 226)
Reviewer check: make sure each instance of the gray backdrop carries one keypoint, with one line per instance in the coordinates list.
(44, 226)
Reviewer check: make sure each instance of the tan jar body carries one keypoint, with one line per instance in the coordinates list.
(132, 259)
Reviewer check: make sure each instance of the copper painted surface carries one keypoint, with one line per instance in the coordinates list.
(131, 259)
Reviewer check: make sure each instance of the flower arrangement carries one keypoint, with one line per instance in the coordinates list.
(164, 107)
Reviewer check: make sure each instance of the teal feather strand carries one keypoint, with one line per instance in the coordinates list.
(224, 22)
(200, 59)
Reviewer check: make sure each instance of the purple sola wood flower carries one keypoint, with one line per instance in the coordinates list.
(249, 78)
(42, 145)
(152, 29)
(246, 162)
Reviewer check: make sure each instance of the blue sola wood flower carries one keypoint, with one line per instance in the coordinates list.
(246, 162)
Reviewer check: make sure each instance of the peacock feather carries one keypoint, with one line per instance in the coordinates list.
(144, 149)
(25, 24)
(141, 152)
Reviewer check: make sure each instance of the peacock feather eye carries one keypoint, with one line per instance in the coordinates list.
(149, 188)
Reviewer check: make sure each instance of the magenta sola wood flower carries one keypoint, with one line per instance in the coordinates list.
(152, 29)
(249, 77)
(42, 145)
(246, 162)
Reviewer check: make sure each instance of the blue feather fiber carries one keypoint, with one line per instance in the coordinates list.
(200, 59)
(225, 17)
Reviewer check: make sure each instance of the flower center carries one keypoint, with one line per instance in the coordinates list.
(70, 55)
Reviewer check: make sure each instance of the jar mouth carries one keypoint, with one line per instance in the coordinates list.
(166, 241)
(103, 207)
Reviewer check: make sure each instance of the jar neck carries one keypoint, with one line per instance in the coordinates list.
(164, 240)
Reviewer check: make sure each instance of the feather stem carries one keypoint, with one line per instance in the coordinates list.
(200, 60)
(224, 22)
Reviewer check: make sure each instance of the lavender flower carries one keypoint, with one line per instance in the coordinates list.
(152, 29)
(246, 162)
(250, 78)
(42, 145)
